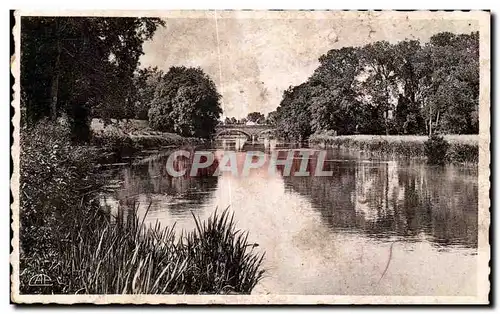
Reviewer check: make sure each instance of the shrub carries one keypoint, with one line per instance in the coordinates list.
(435, 149)
(52, 172)
(113, 143)
(55, 177)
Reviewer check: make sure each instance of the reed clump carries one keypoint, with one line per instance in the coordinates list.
(105, 256)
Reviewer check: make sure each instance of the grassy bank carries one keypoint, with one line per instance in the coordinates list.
(66, 236)
(126, 137)
(462, 148)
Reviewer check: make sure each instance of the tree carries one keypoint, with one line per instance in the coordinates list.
(408, 114)
(334, 104)
(145, 83)
(272, 118)
(379, 86)
(79, 65)
(256, 117)
(451, 74)
(293, 113)
(186, 102)
(385, 88)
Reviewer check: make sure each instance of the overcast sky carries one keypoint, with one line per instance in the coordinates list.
(261, 57)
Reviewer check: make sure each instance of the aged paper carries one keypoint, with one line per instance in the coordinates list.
(342, 157)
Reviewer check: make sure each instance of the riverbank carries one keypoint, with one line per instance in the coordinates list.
(68, 237)
(124, 138)
(463, 149)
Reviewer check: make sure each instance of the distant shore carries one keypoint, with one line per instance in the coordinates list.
(126, 137)
(463, 149)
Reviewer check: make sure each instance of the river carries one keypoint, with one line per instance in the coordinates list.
(375, 227)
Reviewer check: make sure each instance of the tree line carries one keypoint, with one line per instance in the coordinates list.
(255, 117)
(384, 88)
(84, 67)
(79, 67)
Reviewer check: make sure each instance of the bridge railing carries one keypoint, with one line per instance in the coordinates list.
(244, 126)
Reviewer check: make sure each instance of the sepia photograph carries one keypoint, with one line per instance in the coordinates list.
(251, 157)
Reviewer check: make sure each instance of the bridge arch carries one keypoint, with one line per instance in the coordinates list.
(235, 130)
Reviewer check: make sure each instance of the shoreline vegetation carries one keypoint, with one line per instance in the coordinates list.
(395, 90)
(461, 149)
(123, 138)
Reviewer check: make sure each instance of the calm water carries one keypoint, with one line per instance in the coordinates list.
(330, 235)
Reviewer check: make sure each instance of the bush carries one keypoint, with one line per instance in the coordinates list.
(52, 170)
(435, 149)
(113, 145)
(55, 178)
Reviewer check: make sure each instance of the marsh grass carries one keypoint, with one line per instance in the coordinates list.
(462, 148)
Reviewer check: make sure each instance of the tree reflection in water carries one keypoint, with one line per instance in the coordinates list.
(149, 182)
(383, 199)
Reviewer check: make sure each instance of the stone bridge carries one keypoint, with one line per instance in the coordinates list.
(250, 131)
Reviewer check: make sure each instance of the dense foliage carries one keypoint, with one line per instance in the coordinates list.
(186, 102)
(233, 120)
(294, 113)
(383, 88)
(435, 149)
(145, 83)
(79, 66)
(55, 177)
(256, 117)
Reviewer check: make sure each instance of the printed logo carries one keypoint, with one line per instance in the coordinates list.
(40, 280)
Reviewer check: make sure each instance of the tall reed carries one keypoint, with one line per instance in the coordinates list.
(126, 256)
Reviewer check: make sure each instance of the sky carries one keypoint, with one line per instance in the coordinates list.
(253, 58)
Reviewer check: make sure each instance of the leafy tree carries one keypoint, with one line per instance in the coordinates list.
(242, 121)
(379, 86)
(334, 104)
(186, 102)
(408, 115)
(272, 118)
(256, 117)
(452, 78)
(293, 113)
(145, 83)
(79, 65)
(389, 88)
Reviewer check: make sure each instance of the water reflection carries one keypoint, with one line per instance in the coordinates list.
(329, 235)
(390, 198)
(147, 183)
